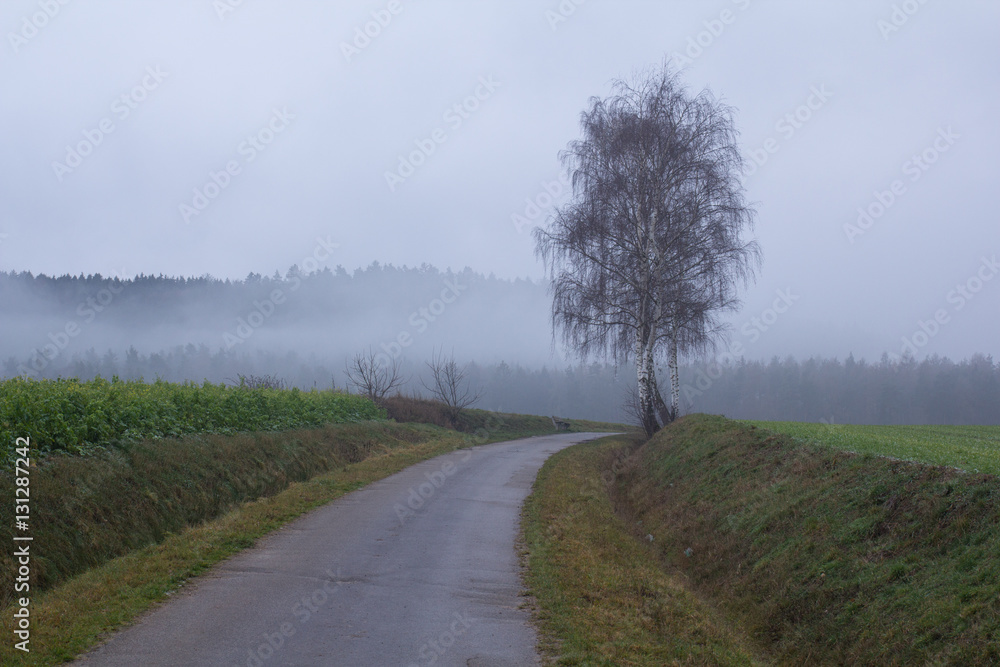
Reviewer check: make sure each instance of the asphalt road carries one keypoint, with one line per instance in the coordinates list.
(419, 568)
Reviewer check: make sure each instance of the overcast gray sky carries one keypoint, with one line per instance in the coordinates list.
(223, 137)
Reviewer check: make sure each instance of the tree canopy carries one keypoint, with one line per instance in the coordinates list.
(649, 251)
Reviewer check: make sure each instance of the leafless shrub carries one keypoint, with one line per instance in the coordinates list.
(372, 378)
(449, 384)
(418, 410)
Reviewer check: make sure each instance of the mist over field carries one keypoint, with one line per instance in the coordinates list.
(199, 190)
(328, 314)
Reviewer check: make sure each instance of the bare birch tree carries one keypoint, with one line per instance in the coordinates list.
(649, 251)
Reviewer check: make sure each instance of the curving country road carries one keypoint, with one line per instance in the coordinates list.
(417, 569)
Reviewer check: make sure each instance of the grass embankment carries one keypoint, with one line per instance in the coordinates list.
(118, 530)
(602, 596)
(824, 557)
(971, 448)
(71, 617)
(86, 510)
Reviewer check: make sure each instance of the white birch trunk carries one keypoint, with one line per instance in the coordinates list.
(675, 380)
(644, 376)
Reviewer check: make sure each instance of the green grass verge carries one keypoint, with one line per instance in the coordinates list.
(825, 557)
(971, 448)
(602, 598)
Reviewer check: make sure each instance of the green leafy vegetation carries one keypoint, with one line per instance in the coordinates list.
(73, 416)
(971, 448)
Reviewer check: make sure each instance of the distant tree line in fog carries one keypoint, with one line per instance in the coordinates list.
(332, 313)
(933, 391)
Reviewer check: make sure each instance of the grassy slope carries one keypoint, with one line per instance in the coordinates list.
(139, 520)
(971, 448)
(87, 510)
(73, 616)
(823, 556)
(598, 590)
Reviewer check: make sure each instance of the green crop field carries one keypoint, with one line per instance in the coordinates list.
(970, 448)
(68, 415)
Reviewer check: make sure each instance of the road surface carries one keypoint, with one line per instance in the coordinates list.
(417, 569)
